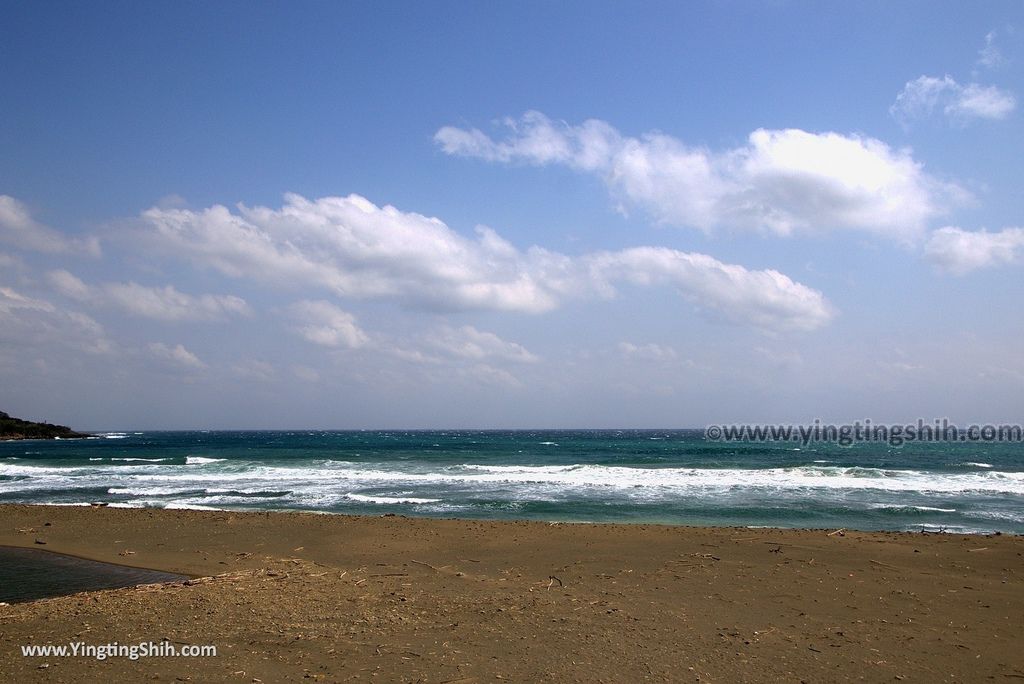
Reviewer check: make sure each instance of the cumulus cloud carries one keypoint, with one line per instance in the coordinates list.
(176, 355)
(353, 248)
(960, 251)
(765, 299)
(928, 95)
(780, 181)
(321, 322)
(160, 303)
(18, 228)
(357, 249)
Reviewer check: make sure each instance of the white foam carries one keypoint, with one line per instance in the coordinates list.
(200, 460)
(903, 507)
(566, 478)
(191, 507)
(389, 499)
(151, 491)
(150, 460)
(998, 515)
(976, 465)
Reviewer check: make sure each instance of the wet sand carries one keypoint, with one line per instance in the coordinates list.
(305, 597)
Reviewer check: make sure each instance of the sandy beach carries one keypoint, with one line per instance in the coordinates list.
(294, 596)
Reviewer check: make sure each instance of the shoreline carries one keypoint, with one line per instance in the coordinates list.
(413, 515)
(289, 596)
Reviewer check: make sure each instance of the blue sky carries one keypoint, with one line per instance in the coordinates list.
(359, 215)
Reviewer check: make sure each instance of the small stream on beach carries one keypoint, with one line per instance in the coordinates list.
(31, 574)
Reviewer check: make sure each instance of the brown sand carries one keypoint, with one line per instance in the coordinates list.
(300, 597)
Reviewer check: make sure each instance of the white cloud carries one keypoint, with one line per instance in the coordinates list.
(11, 301)
(924, 96)
(356, 249)
(989, 55)
(254, 369)
(352, 248)
(470, 343)
(177, 355)
(647, 352)
(322, 323)
(70, 285)
(781, 181)
(37, 323)
(305, 373)
(489, 375)
(17, 227)
(959, 251)
(160, 303)
(168, 304)
(765, 299)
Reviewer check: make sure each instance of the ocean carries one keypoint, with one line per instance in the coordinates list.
(623, 476)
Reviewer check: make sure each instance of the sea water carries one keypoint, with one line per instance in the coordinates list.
(627, 476)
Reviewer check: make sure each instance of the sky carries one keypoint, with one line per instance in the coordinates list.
(357, 215)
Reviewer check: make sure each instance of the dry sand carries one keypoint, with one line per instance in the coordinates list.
(301, 597)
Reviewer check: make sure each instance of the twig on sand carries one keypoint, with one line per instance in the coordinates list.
(841, 532)
(884, 565)
(706, 555)
(427, 564)
(552, 579)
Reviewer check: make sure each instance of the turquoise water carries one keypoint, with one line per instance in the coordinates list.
(670, 476)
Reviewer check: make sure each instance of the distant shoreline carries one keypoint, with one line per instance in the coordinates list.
(16, 429)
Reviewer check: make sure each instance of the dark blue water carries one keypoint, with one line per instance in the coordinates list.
(609, 476)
